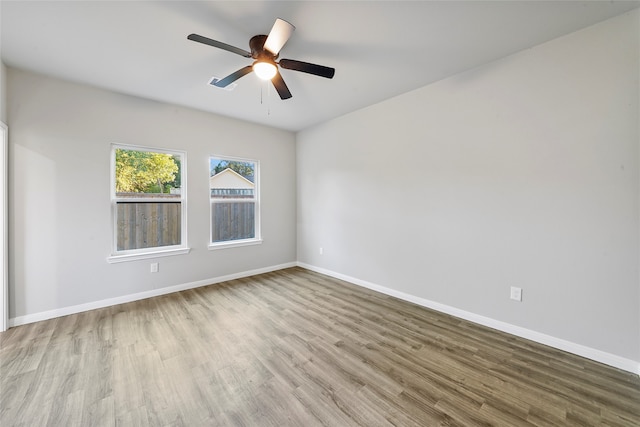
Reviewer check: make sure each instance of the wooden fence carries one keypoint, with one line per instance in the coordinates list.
(148, 224)
(154, 223)
(232, 221)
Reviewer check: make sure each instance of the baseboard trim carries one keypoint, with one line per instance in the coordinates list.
(561, 344)
(65, 311)
(558, 343)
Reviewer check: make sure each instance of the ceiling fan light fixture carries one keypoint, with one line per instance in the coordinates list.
(278, 36)
(265, 70)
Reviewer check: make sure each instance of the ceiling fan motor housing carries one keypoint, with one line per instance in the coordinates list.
(258, 52)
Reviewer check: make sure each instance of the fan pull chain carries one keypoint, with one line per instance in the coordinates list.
(268, 97)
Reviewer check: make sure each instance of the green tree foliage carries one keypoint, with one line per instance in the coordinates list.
(245, 169)
(143, 171)
(176, 183)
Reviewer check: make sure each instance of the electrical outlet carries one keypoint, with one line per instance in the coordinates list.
(516, 293)
(321, 250)
(154, 267)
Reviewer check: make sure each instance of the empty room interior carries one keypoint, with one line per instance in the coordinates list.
(427, 214)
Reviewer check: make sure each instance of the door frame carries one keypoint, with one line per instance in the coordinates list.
(4, 228)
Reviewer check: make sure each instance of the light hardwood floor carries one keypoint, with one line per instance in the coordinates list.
(295, 348)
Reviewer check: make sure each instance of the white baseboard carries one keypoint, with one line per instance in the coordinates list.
(65, 311)
(568, 346)
(578, 349)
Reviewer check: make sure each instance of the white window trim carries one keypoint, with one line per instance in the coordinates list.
(160, 251)
(146, 255)
(233, 244)
(257, 240)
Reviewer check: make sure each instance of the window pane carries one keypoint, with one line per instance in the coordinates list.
(148, 202)
(232, 186)
(231, 174)
(148, 224)
(146, 172)
(233, 221)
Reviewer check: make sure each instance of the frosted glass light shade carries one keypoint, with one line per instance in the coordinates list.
(265, 70)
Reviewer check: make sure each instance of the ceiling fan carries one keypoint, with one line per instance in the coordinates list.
(265, 51)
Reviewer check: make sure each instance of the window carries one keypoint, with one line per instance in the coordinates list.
(233, 190)
(148, 200)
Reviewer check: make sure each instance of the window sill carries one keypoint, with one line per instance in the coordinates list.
(234, 244)
(146, 255)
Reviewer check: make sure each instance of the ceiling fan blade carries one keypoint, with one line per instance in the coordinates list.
(234, 76)
(278, 36)
(281, 86)
(305, 67)
(220, 45)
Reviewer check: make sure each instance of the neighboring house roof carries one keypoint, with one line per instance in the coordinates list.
(229, 178)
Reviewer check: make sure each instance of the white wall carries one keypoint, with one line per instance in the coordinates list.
(523, 173)
(60, 234)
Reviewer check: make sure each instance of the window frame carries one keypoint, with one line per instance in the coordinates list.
(156, 251)
(257, 239)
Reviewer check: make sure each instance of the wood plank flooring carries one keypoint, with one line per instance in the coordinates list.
(295, 348)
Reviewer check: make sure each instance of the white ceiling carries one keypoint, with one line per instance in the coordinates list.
(379, 49)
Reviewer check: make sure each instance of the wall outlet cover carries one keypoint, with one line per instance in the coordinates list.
(516, 293)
